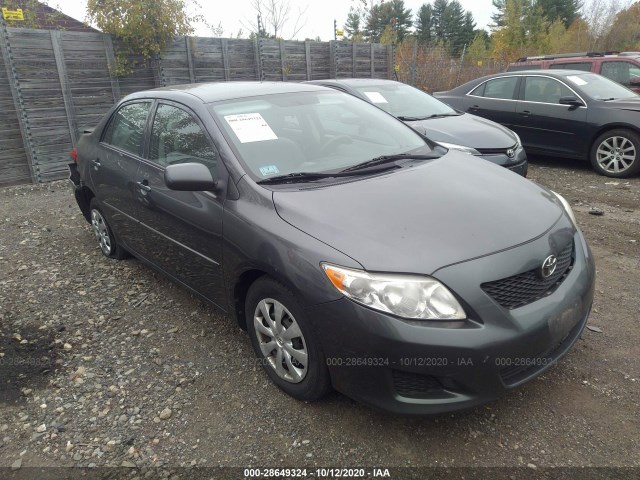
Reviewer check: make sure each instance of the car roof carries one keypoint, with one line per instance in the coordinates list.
(217, 91)
(353, 82)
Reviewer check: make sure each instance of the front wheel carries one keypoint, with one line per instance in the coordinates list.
(616, 153)
(282, 339)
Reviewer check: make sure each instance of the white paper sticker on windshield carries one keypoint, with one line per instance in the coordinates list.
(376, 97)
(577, 80)
(250, 127)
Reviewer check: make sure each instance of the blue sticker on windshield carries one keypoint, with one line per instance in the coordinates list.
(269, 170)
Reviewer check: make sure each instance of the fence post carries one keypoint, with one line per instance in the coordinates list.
(111, 63)
(373, 63)
(192, 74)
(354, 50)
(307, 57)
(283, 60)
(18, 103)
(225, 59)
(333, 67)
(257, 51)
(67, 96)
(414, 64)
(390, 63)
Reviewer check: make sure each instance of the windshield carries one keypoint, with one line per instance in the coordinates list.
(322, 131)
(404, 101)
(599, 87)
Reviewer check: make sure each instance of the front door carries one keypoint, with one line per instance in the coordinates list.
(183, 229)
(543, 123)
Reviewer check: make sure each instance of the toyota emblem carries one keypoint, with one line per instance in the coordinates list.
(549, 266)
(511, 153)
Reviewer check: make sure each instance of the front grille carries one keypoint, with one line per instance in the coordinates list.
(414, 385)
(496, 151)
(524, 288)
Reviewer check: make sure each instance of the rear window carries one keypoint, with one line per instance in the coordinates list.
(584, 66)
(520, 67)
(503, 88)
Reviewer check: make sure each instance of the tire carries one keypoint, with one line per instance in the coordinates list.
(106, 239)
(274, 338)
(616, 153)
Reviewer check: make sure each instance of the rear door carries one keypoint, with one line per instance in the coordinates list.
(113, 171)
(495, 99)
(543, 123)
(624, 72)
(183, 229)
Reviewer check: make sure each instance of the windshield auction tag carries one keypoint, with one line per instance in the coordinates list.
(375, 97)
(250, 127)
(576, 80)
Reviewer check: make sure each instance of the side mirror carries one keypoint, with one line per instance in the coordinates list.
(189, 177)
(571, 101)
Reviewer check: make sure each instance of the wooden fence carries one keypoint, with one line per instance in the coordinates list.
(54, 84)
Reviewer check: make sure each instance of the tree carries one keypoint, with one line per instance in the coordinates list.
(392, 13)
(478, 49)
(275, 17)
(143, 27)
(624, 34)
(567, 11)
(424, 24)
(352, 25)
(600, 15)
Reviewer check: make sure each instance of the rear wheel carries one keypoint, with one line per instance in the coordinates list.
(616, 153)
(107, 241)
(282, 339)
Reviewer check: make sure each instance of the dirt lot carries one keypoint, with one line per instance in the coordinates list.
(105, 363)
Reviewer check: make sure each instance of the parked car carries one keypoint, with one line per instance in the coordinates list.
(439, 122)
(565, 113)
(623, 68)
(355, 252)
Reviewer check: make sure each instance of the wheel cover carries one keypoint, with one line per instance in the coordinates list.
(281, 340)
(616, 154)
(101, 231)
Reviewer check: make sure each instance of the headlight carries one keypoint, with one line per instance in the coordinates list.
(518, 141)
(460, 148)
(567, 207)
(408, 296)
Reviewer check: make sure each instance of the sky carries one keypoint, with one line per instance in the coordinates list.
(319, 14)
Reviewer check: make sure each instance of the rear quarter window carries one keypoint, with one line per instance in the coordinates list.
(584, 66)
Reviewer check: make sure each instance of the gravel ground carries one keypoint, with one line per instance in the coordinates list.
(106, 363)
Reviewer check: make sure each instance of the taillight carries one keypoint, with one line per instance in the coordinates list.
(74, 155)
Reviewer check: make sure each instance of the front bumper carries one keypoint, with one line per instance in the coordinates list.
(421, 367)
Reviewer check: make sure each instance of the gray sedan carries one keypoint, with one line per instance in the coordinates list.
(357, 254)
(438, 121)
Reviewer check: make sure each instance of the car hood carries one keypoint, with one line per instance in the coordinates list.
(631, 103)
(467, 130)
(422, 218)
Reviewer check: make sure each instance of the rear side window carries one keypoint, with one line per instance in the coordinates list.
(176, 137)
(126, 129)
(584, 66)
(498, 88)
(518, 68)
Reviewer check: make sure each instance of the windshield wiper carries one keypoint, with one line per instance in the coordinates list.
(297, 177)
(427, 117)
(387, 159)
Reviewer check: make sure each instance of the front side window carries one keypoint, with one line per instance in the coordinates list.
(545, 90)
(126, 128)
(503, 88)
(176, 137)
(621, 72)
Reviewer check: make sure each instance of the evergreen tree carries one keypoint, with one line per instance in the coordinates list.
(352, 25)
(392, 13)
(424, 24)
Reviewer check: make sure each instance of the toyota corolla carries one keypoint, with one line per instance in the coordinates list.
(357, 254)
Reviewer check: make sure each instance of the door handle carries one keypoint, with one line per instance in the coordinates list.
(525, 113)
(474, 107)
(96, 163)
(143, 186)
